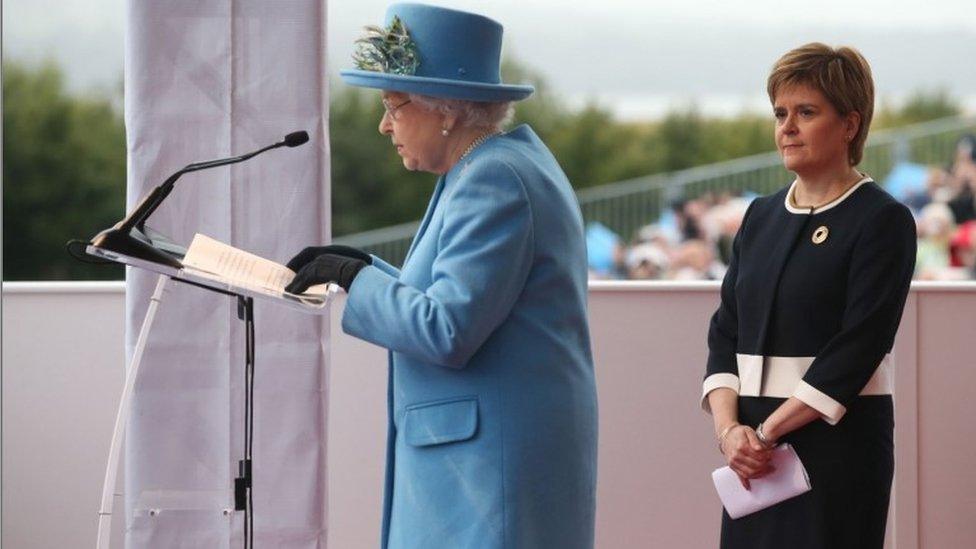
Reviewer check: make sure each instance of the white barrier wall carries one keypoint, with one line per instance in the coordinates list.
(62, 365)
(63, 371)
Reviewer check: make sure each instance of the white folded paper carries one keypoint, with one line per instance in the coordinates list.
(211, 258)
(788, 480)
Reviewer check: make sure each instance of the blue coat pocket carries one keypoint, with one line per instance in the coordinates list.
(440, 422)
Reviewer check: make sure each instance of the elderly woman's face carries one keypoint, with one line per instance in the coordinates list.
(811, 135)
(416, 133)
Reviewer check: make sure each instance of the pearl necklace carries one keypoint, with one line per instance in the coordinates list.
(478, 141)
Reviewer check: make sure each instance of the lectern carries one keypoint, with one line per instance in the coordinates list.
(245, 297)
(131, 242)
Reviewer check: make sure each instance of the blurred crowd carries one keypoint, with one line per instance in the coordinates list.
(693, 239)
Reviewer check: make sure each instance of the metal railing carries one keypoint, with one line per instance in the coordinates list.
(628, 205)
(390, 243)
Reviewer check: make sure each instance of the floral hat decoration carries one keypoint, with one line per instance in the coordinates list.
(433, 51)
(387, 50)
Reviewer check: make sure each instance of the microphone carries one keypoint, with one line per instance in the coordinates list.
(120, 237)
(295, 139)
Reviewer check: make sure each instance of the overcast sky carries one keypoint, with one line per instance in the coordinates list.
(637, 57)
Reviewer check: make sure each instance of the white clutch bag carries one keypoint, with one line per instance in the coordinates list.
(787, 481)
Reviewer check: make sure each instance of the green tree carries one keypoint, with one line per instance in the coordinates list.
(743, 135)
(591, 146)
(63, 174)
(681, 138)
(543, 110)
(921, 106)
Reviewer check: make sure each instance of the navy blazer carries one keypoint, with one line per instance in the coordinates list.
(815, 294)
(492, 400)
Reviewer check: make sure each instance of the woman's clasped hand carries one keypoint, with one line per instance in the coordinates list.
(746, 454)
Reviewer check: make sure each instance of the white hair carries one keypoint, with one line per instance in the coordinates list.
(474, 114)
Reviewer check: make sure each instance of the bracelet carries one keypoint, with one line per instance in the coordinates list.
(725, 433)
(762, 437)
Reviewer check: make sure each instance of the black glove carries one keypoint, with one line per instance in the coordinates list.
(310, 253)
(326, 268)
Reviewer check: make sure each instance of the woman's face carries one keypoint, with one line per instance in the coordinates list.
(812, 137)
(416, 133)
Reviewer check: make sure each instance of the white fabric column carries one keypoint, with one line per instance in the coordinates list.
(208, 79)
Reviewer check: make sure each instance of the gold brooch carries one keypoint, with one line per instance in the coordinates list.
(820, 235)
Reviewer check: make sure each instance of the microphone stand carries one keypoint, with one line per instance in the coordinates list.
(129, 236)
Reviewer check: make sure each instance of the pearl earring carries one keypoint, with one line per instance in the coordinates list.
(445, 132)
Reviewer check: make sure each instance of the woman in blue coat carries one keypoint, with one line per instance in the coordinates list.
(492, 401)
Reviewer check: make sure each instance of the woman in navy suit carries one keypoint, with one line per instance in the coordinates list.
(492, 401)
(799, 347)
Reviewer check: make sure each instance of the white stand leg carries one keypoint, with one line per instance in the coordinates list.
(111, 470)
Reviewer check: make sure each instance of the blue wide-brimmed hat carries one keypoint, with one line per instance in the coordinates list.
(440, 52)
